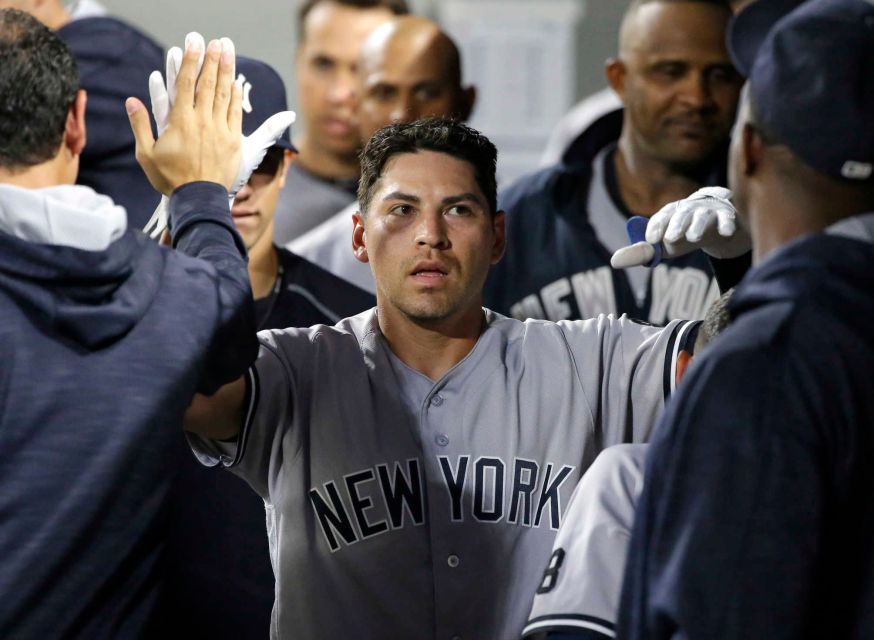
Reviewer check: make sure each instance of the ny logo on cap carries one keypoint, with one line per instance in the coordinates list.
(857, 170)
(247, 89)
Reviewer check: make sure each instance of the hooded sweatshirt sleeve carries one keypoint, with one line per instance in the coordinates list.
(201, 227)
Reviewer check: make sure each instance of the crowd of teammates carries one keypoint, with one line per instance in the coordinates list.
(427, 466)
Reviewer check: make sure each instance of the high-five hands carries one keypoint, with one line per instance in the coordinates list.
(253, 147)
(202, 136)
(706, 220)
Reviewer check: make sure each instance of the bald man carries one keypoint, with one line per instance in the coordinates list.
(114, 61)
(679, 91)
(408, 69)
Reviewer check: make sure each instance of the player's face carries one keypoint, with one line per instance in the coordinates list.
(429, 237)
(326, 72)
(255, 204)
(405, 86)
(677, 82)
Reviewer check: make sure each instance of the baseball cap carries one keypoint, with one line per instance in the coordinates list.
(810, 70)
(263, 95)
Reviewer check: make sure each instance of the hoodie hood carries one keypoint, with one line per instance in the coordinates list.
(65, 256)
(834, 269)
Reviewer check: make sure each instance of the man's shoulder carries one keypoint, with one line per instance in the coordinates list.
(545, 190)
(105, 37)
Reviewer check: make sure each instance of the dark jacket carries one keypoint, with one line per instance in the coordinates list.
(756, 519)
(101, 352)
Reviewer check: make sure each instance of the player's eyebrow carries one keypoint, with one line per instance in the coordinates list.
(462, 197)
(399, 195)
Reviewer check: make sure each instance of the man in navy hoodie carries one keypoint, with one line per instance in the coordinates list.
(104, 336)
(756, 518)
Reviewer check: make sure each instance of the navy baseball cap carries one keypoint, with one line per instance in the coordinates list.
(263, 95)
(810, 70)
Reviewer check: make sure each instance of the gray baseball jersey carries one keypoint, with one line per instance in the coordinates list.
(404, 507)
(580, 588)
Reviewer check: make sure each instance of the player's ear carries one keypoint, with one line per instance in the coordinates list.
(500, 230)
(359, 237)
(287, 158)
(753, 149)
(74, 128)
(684, 359)
(615, 71)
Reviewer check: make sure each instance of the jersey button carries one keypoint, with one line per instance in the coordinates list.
(437, 401)
(453, 561)
(442, 439)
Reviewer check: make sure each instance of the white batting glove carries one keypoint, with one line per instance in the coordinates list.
(162, 98)
(706, 220)
(254, 146)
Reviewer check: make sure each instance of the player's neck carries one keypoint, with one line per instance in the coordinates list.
(320, 162)
(263, 265)
(780, 212)
(646, 184)
(431, 348)
(51, 173)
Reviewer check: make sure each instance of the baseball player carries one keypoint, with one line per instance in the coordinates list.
(578, 596)
(415, 459)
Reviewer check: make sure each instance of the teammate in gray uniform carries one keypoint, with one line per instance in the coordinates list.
(415, 459)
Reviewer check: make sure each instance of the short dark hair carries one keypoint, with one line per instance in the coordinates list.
(443, 135)
(397, 7)
(38, 84)
(716, 320)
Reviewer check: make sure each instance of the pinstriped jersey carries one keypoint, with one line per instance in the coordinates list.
(401, 506)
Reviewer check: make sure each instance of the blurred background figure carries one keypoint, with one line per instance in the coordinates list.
(408, 69)
(114, 61)
(325, 176)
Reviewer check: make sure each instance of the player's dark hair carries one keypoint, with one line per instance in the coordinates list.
(431, 134)
(38, 84)
(397, 7)
(715, 321)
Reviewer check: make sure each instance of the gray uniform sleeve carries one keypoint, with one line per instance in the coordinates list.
(267, 432)
(626, 370)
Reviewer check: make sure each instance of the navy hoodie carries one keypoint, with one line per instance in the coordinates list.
(756, 520)
(101, 352)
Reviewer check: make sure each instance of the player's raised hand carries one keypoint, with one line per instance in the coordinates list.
(202, 137)
(706, 220)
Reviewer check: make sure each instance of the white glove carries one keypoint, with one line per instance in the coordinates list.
(254, 146)
(706, 220)
(162, 98)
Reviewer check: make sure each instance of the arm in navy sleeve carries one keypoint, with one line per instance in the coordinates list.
(727, 537)
(201, 226)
